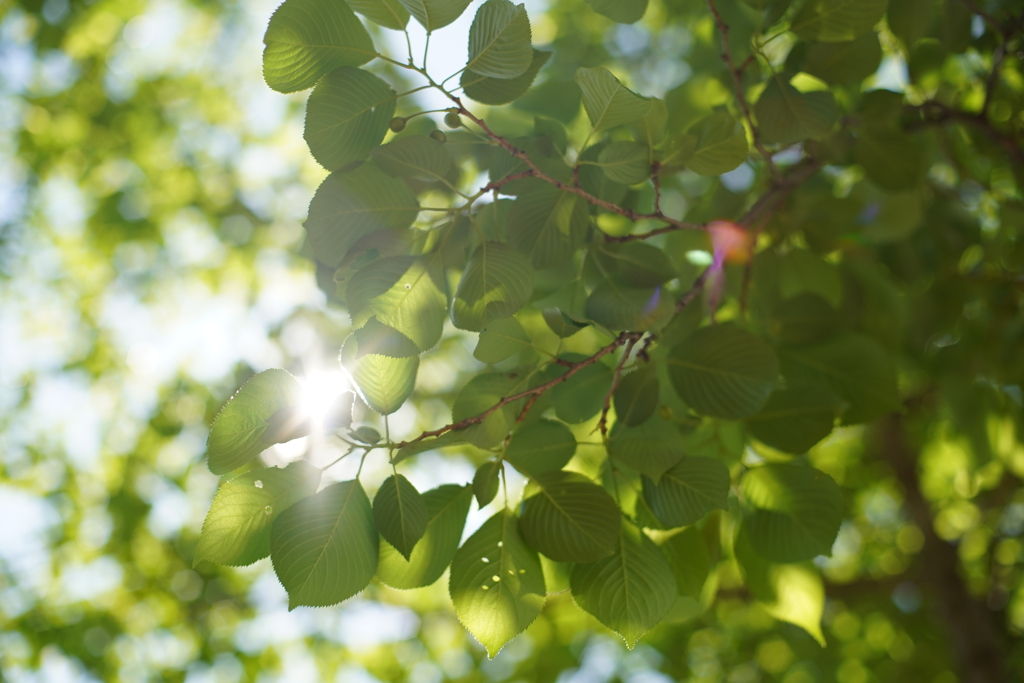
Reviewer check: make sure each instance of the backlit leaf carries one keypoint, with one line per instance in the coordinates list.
(383, 382)
(548, 225)
(435, 14)
(400, 514)
(347, 115)
(714, 145)
(569, 518)
(387, 13)
(688, 491)
(414, 156)
(501, 339)
(581, 396)
(609, 103)
(497, 282)
(485, 482)
(499, 40)
(544, 446)
(324, 548)
(636, 397)
(497, 91)
(628, 163)
(650, 448)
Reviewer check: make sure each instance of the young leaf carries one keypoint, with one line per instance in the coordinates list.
(498, 91)
(650, 448)
(624, 162)
(349, 206)
(447, 507)
(789, 592)
(236, 531)
(714, 145)
(794, 514)
(309, 38)
(723, 371)
(400, 514)
(347, 115)
(236, 436)
(629, 591)
(485, 482)
(636, 397)
(608, 102)
(497, 282)
(496, 583)
(544, 446)
(548, 225)
(499, 40)
(854, 366)
(622, 11)
(688, 491)
(386, 13)
(324, 548)
(435, 14)
(797, 417)
(836, 21)
(403, 292)
(569, 518)
(383, 382)
(501, 339)
(785, 115)
(414, 156)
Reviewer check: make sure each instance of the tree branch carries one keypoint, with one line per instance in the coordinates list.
(602, 424)
(737, 78)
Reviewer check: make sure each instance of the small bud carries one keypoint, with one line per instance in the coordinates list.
(439, 136)
(452, 120)
(397, 124)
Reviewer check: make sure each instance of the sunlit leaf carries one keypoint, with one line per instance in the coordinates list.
(497, 91)
(581, 396)
(383, 382)
(688, 491)
(414, 156)
(548, 225)
(387, 13)
(608, 102)
(400, 514)
(628, 163)
(714, 145)
(497, 282)
(499, 40)
(485, 482)
(435, 14)
(544, 446)
(347, 115)
(569, 518)
(501, 339)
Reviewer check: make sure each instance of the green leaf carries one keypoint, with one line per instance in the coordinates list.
(797, 417)
(501, 339)
(381, 340)
(236, 436)
(496, 583)
(854, 366)
(417, 447)
(794, 512)
(403, 292)
(837, 21)
(892, 159)
(237, 527)
(688, 491)
(636, 397)
(485, 482)
(499, 40)
(723, 371)
(560, 323)
(636, 263)
(802, 271)
(544, 446)
(414, 156)
(581, 396)
(498, 91)
(481, 393)
(609, 103)
(620, 306)
(650, 130)
(789, 592)
(651, 448)
(594, 180)
(844, 63)
(629, 591)
(688, 555)
(548, 225)
(497, 282)
(554, 99)
(622, 11)
(386, 13)
(309, 38)
(447, 507)
(347, 115)
(435, 14)
(714, 145)
(624, 162)
(324, 548)
(569, 518)
(785, 115)
(384, 383)
(400, 514)
(349, 206)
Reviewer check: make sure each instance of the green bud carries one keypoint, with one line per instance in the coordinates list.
(439, 136)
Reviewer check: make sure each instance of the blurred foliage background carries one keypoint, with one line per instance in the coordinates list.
(151, 194)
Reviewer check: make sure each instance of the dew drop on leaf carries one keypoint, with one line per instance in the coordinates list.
(259, 484)
(268, 510)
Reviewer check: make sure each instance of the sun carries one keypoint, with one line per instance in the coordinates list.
(319, 389)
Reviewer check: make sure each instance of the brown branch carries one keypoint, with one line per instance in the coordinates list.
(694, 291)
(602, 424)
(737, 78)
(623, 338)
(536, 172)
(498, 184)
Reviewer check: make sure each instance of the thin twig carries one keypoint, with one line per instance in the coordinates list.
(623, 338)
(737, 78)
(602, 424)
(694, 291)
